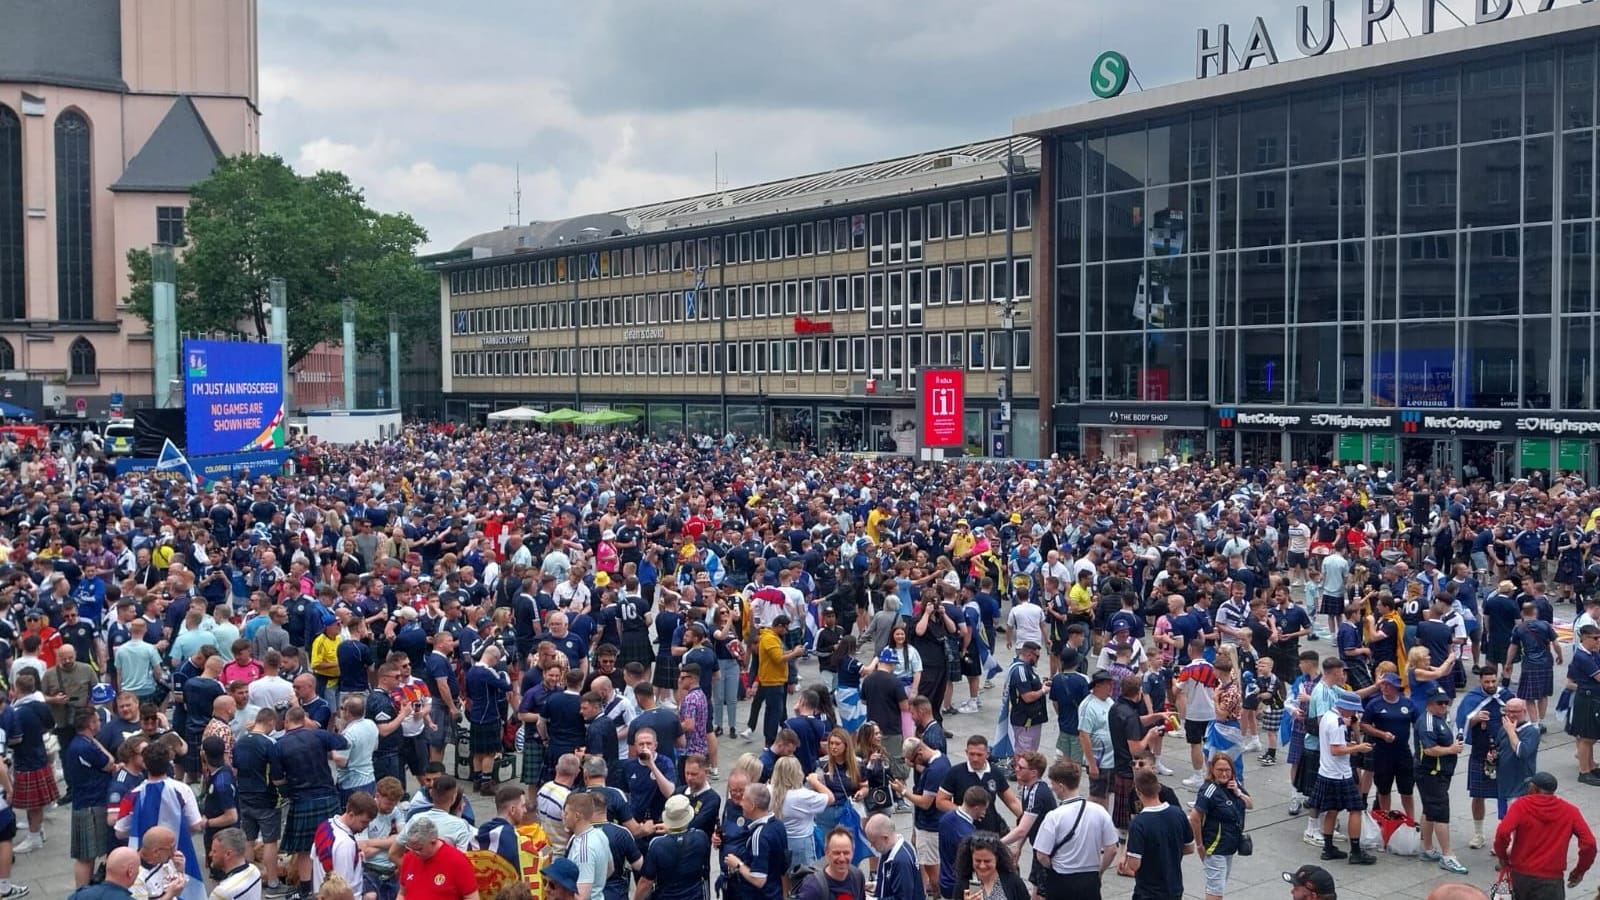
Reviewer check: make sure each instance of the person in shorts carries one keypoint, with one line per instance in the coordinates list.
(930, 767)
(8, 834)
(1438, 749)
(257, 769)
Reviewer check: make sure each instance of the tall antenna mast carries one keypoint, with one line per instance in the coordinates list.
(519, 195)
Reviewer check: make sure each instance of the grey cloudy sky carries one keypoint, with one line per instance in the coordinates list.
(430, 106)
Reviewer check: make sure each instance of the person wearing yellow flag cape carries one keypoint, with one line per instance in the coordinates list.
(1385, 628)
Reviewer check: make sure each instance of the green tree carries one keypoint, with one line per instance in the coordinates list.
(255, 219)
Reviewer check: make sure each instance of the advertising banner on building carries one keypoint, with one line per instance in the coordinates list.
(233, 396)
(941, 407)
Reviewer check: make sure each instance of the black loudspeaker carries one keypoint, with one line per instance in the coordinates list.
(1420, 504)
(153, 427)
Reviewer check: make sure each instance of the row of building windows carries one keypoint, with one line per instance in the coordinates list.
(1504, 97)
(891, 237)
(1483, 186)
(74, 207)
(892, 298)
(1478, 363)
(898, 355)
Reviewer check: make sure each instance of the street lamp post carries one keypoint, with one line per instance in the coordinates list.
(1008, 309)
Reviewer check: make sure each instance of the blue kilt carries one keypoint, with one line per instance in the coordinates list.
(1535, 683)
(1479, 785)
(305, 814)
(1336, 794)
(1333, 604)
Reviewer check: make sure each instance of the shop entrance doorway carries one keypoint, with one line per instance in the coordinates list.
(1494, 460)
(1429, 455)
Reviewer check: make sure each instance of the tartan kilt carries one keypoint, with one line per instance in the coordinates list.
(1535, 683)
(305, 814)
(1305, 773)
(532, 761)
(89, 839)
(1269, 718)
(1479, 785)
(1123, 800)
(1330, 794)
(1586, 715)
(635, 648)
(666, 673)
(1332, 604)
(487, 737)
(34, 790)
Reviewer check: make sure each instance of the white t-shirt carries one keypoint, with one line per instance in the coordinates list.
(346, 857)
(1082, 854)
(1331, 733)
(1027, 622)
(271, 692)
(1299, 538)
(1199, 705)
(800, 809)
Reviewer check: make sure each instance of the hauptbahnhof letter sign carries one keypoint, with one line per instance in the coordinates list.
(1215, 49)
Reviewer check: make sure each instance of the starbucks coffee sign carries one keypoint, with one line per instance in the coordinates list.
(1216, 48)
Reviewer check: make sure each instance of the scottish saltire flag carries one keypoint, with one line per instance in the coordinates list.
(1227, 738)
(851, 711)
(1000, 746)
(811, 625)
(692, 295)
(173, 460)
(167, 803)
(991, 666)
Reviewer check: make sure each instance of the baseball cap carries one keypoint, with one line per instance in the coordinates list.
(1315, 878)
(1100, 676)
(888, 656)
(564, 872)
(1439, 695)
(1390, 678)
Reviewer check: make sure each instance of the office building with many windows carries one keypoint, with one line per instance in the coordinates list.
(1381, 254)
(800, 310)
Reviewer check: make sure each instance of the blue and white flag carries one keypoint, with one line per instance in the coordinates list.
(692, 295)
(152, 804)
(173, 460)
(1000, 745)
(991, 666)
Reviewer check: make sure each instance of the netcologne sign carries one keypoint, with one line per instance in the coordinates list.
(1461, 423)
(1215, 49)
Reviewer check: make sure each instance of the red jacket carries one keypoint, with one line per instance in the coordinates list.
(1543, 825)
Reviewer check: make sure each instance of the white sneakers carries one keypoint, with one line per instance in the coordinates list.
(29, 843)
(1194, 781)
(1163, 769)
(972, 705)
(1253, 745)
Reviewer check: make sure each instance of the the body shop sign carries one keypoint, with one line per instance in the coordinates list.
(941, 407)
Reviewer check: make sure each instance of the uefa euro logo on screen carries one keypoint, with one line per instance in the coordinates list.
(197, 363)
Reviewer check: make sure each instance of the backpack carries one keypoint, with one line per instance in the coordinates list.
(802, 876)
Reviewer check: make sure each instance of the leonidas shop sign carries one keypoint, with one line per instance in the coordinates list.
(1216, 49)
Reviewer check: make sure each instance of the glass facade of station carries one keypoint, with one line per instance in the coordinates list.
(1422, 240)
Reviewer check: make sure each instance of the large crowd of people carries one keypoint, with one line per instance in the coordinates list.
(714, 666)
